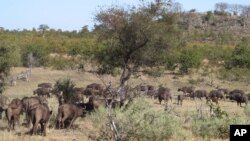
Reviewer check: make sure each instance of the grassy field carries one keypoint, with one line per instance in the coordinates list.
(83, 126)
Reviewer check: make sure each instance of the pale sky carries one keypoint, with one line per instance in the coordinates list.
(74, 14)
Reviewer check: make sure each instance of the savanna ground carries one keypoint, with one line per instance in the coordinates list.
(84, 127)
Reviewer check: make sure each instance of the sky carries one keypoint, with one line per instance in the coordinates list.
(74, 14)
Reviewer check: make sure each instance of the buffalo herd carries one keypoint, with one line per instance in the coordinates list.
(82, 101)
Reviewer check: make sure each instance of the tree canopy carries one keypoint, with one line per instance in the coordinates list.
(135, 37)
(6, 61)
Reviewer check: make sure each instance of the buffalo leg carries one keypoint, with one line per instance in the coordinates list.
(71, 122)
(44, 128)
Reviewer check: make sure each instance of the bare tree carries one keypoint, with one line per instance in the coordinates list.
(246, 15)
(221, 7)
(176, 7)
(236, 9)
(31, 60)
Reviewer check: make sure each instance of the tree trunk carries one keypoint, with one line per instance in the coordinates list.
(126, 73)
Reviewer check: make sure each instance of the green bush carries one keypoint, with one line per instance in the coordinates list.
(15, 57)
(189, 59)
(66, 86)
(225, 37)
(209, 16)
(106, 69)
(235, 74)
(213, 53)
(240, 56)
(40, 54)
(84, 47)
(247, 111)
(172, 59)
(215, 126)
(138, 121)
(60, 63)
(6, 62)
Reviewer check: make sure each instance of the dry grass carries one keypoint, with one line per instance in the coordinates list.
(84, 126)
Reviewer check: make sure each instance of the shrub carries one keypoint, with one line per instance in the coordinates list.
(154, 71)
(84, 47)
(40, 54)
(213, 53)
(137, 121)
(224, 38)
(172, 59)
(235, 74)
(189, 59)
(216, 125)
(247, 111)
(66, 86)
(6, 62)
(209, 16)
(240, 55)
(106, 69)
(60, 63)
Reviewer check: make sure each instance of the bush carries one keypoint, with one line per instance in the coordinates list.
(192, 56)
(215, 126)
(154, 71)
(235, 74)
(224, 38)
(189, 59)
(60, 63)
(6, 62)
(247, 111)
(40, 54)
(66, 86)
(84, 47)
(240, 57)
(138, 121)
(106, 69)
(209, 16)
(213, 53)
(172, 59)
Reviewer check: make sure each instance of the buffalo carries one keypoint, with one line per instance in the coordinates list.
(235, 91)
(216, 93)
(200, 94)
(13, 112)
(28, 102)
(45, 85)
(186, 90)
(43, 92)
(164, 94)
(95, 86)
(4, 102)
(40, 114)
(68, 112)
(239, 96)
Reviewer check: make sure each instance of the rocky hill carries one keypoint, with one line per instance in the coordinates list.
(212, 25)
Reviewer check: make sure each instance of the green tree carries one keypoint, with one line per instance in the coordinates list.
(43, 28)
(240, 55)
(6, 62)
(188, 59)
(135, 37)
